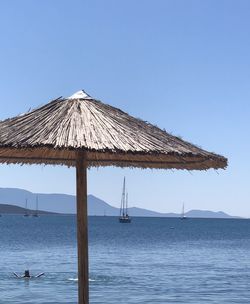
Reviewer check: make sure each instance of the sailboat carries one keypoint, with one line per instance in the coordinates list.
(36, 212)
(26, 209)
(124, 217)
(183, 216)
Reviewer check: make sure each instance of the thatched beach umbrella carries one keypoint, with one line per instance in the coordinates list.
(82, 132)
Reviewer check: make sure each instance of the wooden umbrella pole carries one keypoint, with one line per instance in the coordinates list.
(82, 228)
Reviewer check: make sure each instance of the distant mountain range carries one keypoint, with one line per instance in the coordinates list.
(11, 209)
(12, 200)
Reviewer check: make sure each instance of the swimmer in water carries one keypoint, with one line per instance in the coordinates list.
(27, 275)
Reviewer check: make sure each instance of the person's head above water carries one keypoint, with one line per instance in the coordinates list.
(26, 274)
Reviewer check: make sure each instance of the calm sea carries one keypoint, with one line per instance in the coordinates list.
(151, 260)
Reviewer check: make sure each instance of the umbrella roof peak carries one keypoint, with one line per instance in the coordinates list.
(80, 95)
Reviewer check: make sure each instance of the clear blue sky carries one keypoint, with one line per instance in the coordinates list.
(183, 65)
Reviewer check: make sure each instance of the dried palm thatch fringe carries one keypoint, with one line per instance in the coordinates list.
(54, 133)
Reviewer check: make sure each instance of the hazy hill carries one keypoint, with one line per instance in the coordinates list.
(11, 209)
(59, 203)
(208, 214)
(63, 203)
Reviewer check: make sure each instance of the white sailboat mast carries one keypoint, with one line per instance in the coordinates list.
(36, 203)
(122, 210)
(123, 196)
(127, 204)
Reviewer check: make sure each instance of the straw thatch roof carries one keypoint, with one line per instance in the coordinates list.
(52, 134)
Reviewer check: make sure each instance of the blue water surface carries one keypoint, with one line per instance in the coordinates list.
(151, 260)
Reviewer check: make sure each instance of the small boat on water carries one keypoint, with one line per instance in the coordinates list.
(26, 208)
(36, 212)
(183, 216)
(124, 217)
